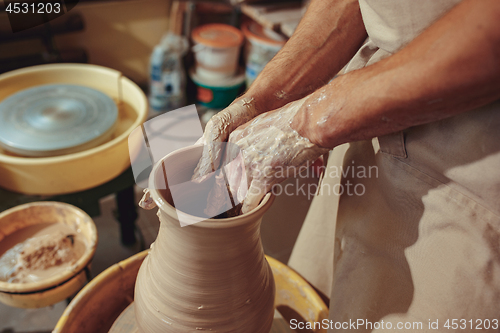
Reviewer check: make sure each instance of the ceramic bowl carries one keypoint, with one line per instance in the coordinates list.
(55, 288)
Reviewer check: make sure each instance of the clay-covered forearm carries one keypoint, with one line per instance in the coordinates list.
(327, 37)
(452, 67)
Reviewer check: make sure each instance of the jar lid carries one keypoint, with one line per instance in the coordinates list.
(217, 35)
(257, 33)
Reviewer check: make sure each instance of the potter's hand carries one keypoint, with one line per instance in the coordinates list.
(218, 130)
(271, 152)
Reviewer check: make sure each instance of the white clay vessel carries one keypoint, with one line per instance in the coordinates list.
(211, 276)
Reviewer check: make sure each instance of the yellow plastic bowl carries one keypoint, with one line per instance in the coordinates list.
(57, 288)
(81, 170)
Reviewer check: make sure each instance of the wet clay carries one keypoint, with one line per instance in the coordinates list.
(210, 276)
(39, 251)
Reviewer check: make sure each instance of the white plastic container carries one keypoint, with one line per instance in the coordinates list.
(262, 45)
(216, 50)
(167, 77)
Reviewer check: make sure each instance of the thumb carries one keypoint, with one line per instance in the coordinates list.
(255, 194)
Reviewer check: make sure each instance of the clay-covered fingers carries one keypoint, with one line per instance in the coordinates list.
(271, 151)
(234, 168)
(212, 137)
(218, 130)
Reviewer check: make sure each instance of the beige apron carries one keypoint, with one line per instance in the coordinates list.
(421, 244)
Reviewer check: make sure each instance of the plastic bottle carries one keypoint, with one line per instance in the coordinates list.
(167, 78)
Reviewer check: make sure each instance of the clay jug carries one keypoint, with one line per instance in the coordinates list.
(210, 276)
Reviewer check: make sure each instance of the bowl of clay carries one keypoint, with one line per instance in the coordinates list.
(45, 253)
(80, 170)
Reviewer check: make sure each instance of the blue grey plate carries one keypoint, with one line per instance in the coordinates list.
(55, 119)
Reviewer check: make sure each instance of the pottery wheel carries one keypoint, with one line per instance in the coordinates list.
(55, 119)
(125, 323)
